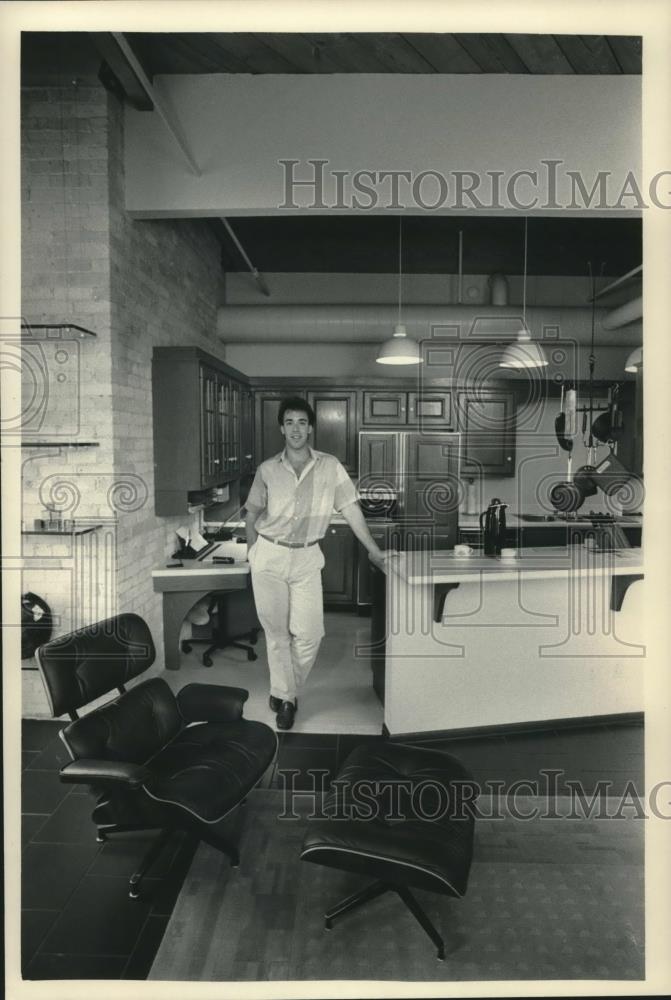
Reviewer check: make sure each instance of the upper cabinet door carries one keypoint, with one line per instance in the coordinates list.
(335, 424)
(487, 420)
(430, 409)
(246, 432)
(378, 462)
(384, 406)
(210, 436)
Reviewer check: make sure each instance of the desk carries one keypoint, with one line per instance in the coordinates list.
(185, 586)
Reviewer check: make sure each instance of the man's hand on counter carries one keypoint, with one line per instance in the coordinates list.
(380, 559)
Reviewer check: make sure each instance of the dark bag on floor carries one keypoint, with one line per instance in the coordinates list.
(36, 624)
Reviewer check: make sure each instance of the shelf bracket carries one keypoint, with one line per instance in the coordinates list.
(618, 588)
(440, 592)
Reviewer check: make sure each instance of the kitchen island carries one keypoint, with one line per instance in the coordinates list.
(556, 633)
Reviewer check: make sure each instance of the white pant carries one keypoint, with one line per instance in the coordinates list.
(287, 587)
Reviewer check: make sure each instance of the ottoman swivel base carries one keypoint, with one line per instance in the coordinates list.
(402, 816)
(378, 889)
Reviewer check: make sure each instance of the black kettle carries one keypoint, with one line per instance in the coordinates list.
(493, 527)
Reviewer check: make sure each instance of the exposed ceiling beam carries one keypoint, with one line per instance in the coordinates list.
(134, 92)
(258, 277)
(168, 118)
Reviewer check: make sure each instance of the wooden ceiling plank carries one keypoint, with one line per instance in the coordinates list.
(158, 53)
(356, 51)
(252, 53)
(296, 49)
(208, 54)
(395, 54)
(337, 53)
(628, 50)
(493, 53)
(588, 54)
(332, 54)
(541, 54)
(443, 52)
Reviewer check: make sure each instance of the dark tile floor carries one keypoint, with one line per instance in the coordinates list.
(77, 919)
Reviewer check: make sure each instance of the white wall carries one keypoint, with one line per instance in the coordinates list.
(238, 127)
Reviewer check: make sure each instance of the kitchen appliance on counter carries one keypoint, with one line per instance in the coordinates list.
(493, 527)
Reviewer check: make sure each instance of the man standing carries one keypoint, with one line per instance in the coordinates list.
(289, 507)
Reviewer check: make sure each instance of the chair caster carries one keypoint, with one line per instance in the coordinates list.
(328, 924)
(441, 955)
(185, 646)
(207, 660)
(254, 638)
(251, 655)
(101, 837)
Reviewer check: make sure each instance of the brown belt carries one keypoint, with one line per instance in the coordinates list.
(288, 545)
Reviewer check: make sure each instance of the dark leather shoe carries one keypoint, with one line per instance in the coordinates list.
(285, 716)
(275, 703)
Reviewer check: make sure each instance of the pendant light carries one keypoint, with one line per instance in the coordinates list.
(524, 352)
(399, 349)
(634, 362)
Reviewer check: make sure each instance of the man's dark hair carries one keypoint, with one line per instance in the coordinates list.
(296, 403)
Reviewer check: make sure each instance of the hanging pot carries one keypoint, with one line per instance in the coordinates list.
(560, 426)
(566, 497)
(584, 482)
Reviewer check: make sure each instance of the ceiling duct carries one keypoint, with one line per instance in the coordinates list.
(623, 315)
(371, 323)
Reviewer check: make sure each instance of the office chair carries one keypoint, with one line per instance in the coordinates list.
(152, 759)
(236, 619)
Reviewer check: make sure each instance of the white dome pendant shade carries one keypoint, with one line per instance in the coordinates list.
(399, 349)
(634, 362)
(524, 352)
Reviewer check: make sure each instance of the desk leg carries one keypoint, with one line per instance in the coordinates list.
(176, 606)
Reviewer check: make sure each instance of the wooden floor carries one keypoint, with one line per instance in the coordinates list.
(547, 899)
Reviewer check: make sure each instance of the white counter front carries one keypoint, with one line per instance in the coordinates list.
(477, 642)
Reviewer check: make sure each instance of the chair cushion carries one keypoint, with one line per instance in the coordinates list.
(211, 766)
(401, 814)
(132, 728)
(84, 665)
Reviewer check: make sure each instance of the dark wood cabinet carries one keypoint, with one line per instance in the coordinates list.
(247, 463)
(378, 461)
(335, 429)
(196, 410)
(432, 487)
(486, 418)
(338, 580)
(630, 444)
(430, 409)
(384, 406)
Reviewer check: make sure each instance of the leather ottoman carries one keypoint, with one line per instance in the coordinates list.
(403, 816)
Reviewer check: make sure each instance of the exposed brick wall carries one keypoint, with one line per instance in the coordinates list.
(137, 284)
(66, 278)
(167, 283)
